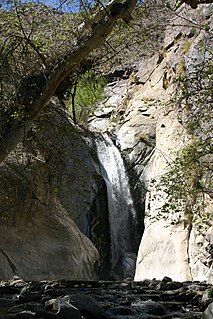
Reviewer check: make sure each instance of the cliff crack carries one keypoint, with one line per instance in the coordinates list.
(13, 267)
(188, 249)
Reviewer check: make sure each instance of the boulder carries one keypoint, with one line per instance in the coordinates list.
(208, 313)
(44, 216)
(67, 311)
(87, 305)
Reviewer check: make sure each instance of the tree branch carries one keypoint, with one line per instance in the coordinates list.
(73, 102)
(69, 63)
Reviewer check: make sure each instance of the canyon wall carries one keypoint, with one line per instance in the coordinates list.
(50, 187)
(153, 118)
(54, 206)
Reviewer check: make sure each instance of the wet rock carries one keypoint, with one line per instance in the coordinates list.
(32, 296)
(123, 311)
(87, 305)
(17, 282)
(23, 315)
(9, 290)
(46, 315)
(111, 300)
(34, 307)
(50, 304)
(173, 285)
(161, 286)
(67, 311)
(125, 268)
(7, 301)
(150, 307)
(166, 279)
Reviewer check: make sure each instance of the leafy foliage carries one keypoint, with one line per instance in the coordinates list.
(33, 38)
(190, 175)
(89, 92)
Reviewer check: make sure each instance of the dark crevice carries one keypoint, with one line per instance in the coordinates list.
(188, 239)
(13, 267)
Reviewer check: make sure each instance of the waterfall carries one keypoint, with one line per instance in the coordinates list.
(120, 202)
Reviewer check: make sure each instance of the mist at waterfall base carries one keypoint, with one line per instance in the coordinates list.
(122, 214)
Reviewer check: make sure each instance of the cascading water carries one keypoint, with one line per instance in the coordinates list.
(120, 202)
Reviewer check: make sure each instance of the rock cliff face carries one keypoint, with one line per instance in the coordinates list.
(49, 186)
(172, 243)
(151, 122)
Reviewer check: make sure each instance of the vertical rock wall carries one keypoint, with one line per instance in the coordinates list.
(48, 190)
(151, 124)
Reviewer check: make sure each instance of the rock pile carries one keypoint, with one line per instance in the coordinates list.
(65, 299)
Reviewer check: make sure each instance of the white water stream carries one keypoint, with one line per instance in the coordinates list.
(120, 202)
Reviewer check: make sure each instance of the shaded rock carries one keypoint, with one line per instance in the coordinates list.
(150, 307)
(123, 311)
(208, 313)
(112, 300)
(8, 301)
(17, 282)
(54, 223)
(31, 306)
(173, 285)
(32, 296)
(67, 311)
(9, 290)
(26, 314)
(46, 315)
(166, 279)
(161, 286)
(51, 304)
(125, 268)
(87, 305)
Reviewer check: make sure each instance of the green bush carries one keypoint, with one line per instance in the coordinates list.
(190, 175)
(89, 92)
(188, 178)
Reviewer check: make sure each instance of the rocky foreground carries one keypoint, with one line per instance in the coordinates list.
(65, 299)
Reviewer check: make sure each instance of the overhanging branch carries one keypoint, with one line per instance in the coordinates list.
(86, 44)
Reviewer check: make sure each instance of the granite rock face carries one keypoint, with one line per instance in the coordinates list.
(150, 124)
(49, 189)
(47, 245)
(172, 243)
